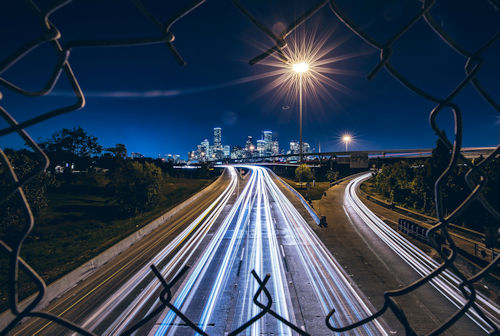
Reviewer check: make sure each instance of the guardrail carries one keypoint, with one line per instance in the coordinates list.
(306, 204)
(472, 244)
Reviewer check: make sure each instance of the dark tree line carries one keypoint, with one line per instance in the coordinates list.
(78, 163)
(71, 149)
(411, 184)
(12, 210)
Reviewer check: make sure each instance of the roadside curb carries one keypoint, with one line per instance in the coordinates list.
(70, 280)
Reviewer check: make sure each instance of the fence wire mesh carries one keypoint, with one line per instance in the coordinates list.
(476, 178)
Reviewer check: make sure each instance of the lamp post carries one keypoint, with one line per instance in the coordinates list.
(300, 68)
(346, 138)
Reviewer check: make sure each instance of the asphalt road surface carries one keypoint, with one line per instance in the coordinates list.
(264, 232)
(446, 283)
(253, 223)
(378, 259)
(245, 223)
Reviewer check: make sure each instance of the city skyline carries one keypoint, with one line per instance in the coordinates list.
(267, 145)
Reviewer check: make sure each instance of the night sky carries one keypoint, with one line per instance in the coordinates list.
(141, 97)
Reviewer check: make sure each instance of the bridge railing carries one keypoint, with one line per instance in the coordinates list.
(376, 153)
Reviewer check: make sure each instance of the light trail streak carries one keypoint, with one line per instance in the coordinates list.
(279, 281)
(257, 255)
(203, 222)
(332, 287)
(446, 283)
(250, 224)
(194, 279)
(260, 231)
(228, 260)
(263, 258)
(331, 284)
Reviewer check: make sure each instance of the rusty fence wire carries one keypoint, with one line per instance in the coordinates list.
(476, 178)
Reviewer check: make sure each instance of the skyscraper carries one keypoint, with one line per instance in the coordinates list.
(275, 148)
(205, 145)
(217, 138)
(249, 143)
(268, 136)
(305, 147)
(268, 142)
(294, 147)
(261, 147)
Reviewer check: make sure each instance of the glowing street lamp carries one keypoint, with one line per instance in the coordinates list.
(300, 68)
(346, 138)
(304, 64)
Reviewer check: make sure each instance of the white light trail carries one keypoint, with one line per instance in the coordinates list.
(250, 225)
(446, 283)
(256, 227)
(203, 222)
(331, 284)
(195, 277)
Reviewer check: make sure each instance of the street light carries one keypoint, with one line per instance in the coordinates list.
(346, 138)
(300, 68)
(305, 63)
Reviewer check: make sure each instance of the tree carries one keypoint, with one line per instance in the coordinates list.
(119, 151)
(137, 186)
(332, 175)
(24, 162)
(69, 147)
(303, 173)
(440, 159)
(13, 217)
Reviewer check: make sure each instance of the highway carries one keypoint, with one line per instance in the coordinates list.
(246, 223)
(241, 224)
(446, 284)
(264, 232)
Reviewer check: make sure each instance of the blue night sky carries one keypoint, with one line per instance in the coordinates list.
(141, 97)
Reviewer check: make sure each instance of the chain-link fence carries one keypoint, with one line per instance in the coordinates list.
(476, 178)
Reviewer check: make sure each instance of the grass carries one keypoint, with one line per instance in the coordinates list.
(314, 193)
(368, 187)
(78, 224)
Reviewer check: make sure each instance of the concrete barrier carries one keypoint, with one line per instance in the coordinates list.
(306, 205)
